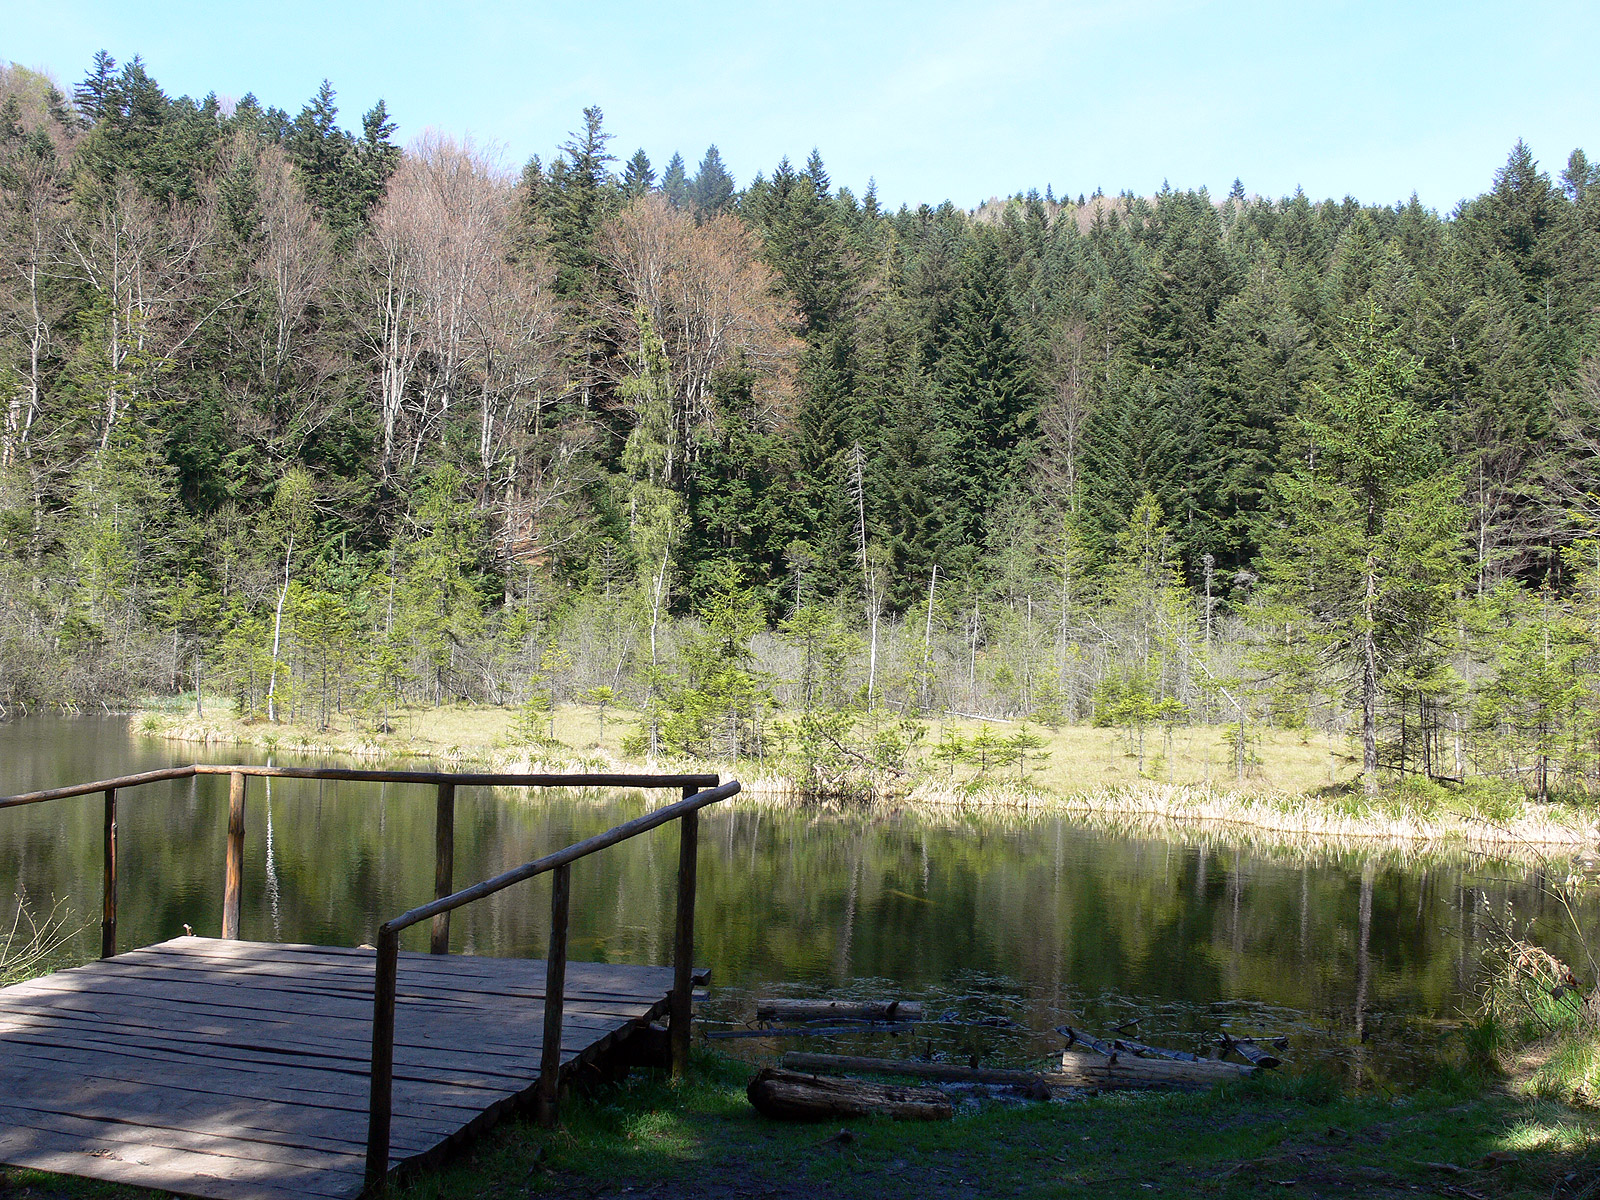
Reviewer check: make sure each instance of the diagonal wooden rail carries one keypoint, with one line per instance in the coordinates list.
(698, 791)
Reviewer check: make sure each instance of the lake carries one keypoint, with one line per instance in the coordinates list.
(1004, 926)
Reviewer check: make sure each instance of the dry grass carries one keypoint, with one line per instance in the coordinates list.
(1082, 758)
(1188, 784)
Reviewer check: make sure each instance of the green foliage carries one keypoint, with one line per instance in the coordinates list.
(348, 430)
(1366, 564)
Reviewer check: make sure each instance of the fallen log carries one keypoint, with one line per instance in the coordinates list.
(1077, 1071)
(808, 1031)
(788, 1096)
(1143, 1051)
(860, 1010)
(1087, 1040)
(1248, 1049)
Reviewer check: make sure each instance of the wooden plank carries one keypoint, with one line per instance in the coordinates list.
(421, 970)
(493, 1052)
(462, 1088)
(239, 1070)
(415, 960)
(101, 1132)
(475, 1033)
(212, 992)
(46, 1076)
(171, 1170)
(95, 1098)
(455, 1075)
(442, 994)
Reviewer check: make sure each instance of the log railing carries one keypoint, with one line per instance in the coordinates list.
(698, 792)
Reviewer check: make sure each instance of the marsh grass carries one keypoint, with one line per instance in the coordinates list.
(1286, 798)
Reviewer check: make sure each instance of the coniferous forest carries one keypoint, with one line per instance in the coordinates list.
(298, 416)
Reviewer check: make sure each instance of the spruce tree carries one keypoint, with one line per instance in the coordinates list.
(711, 189)
(638, 177)
(675, 182)
(1365, 561)
(987, 393)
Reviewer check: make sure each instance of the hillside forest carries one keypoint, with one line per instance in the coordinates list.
(297, 416)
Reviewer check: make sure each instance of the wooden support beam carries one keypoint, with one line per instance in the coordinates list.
(381, 1076)
(444, 859)
(233, 881)
(548, 1098)
(681, 1006)
(108, 890)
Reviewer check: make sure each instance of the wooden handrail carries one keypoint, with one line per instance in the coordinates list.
(444, 834)
(571, 854)
(386, 969)
(357, 775)
(103, 785)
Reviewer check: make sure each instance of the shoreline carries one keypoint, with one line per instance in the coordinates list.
(1270, 818)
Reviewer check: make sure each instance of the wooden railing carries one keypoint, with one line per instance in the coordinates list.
(698, 792)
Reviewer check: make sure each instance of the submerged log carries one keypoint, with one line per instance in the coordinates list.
(836, 1010)
(1249, 1050)
(809, 1031)
(788, 1096)
(1077, 1071)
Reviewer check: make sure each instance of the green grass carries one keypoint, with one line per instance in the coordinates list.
(649, 1136)
(646, 1136)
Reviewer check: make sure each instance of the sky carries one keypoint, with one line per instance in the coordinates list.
(928, 100)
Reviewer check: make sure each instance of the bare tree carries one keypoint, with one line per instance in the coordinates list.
(710, 300)
(31, 212)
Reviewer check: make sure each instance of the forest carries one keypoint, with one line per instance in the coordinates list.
(300, 417)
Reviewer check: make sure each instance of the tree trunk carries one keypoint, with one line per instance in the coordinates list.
(1369, 688)
(277, 631)
(787, 1096)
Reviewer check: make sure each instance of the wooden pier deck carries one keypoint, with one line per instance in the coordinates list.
(239, 1070)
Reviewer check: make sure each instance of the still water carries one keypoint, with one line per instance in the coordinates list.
(1004, 927)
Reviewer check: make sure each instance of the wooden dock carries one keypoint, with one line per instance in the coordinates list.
(239, 1070)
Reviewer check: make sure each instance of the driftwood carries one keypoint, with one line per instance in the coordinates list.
(788, 1096)
(859, 1010)
(1077, 1071)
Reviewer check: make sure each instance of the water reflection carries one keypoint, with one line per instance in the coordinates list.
(1038, 920)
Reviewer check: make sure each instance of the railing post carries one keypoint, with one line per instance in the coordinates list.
(681, 1004)
(444, 858)
(381, 1077)
(108, 893)
(234, 877)
(555, 995)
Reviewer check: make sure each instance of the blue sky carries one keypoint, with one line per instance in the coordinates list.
(934, 100)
